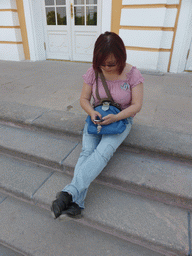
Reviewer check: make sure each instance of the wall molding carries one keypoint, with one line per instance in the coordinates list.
(10, 42)
(135, 48)
(10, 27)
(174, 33)
(117, 8)
(8, 10)
(143, 6)
(147, 28)
(21, 15)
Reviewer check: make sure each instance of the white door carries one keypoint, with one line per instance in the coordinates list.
(189, 59)
(71, 29)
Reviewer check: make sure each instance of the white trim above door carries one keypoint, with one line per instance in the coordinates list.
(71, 28)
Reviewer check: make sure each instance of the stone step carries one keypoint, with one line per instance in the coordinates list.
(159, 177)
(142, 136)
(29, 230)
(7, 251)
(142, 221)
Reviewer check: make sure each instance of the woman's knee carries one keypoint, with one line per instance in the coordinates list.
(106, 152)
(86, 152)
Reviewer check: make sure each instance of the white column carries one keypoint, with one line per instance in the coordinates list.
(34, 25)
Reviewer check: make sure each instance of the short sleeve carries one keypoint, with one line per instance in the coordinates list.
(89, 76)
(135, 77)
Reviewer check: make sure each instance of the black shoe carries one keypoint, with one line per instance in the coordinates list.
(73, 211)
(63, 199)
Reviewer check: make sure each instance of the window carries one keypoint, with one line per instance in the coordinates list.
(56, 12)
(85, 8)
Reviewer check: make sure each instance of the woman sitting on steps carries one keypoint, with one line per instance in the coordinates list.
(125, 84)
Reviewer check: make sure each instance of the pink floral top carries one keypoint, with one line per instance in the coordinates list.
(120, 89)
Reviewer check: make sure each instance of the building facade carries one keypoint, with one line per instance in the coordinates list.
(157, 33)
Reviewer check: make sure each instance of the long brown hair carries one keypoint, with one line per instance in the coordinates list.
(106, 44)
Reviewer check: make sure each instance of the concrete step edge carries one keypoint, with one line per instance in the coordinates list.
(144, 137)
(105, 205)
(156, 247)
(13, 250)
(153, 193)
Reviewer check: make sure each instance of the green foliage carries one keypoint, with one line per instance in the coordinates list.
(61, 21)
(80, 20)
(92, 21)
(51, 18)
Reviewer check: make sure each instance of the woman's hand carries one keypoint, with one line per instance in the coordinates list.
(111, 118)
(95, 115)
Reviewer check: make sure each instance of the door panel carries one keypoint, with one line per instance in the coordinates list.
(58, 44)
(71, 28)
(83, 44)
(57, 31)
(85, 28)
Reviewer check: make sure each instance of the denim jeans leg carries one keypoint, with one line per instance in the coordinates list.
(89, 143)
(92, 163)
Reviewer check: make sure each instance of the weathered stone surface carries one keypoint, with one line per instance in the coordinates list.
(35, 232)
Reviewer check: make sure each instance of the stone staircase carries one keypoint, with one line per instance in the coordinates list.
(139, 205)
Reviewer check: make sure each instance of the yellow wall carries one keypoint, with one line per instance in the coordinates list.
(14, 42)
(117, 8)
(21, 15)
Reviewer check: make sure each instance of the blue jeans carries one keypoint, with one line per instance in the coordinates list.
(97, 150)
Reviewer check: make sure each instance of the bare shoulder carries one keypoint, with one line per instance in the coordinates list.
(128, 67)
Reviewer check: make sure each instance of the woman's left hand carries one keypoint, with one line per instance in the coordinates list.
(111, 118)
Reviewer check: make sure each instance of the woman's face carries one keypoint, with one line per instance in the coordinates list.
(110, 64)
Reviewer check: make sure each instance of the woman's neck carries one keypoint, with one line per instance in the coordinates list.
(114, 75)
(111, 75)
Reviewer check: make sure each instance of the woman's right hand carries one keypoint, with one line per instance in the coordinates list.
(85, 103)
(95, 115)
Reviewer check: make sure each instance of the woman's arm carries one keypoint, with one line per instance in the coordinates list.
(85, 102)
(135, 107)
(136, 103)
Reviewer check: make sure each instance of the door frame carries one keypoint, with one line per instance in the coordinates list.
(188, 66)
(187, 45)
(183, 38)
